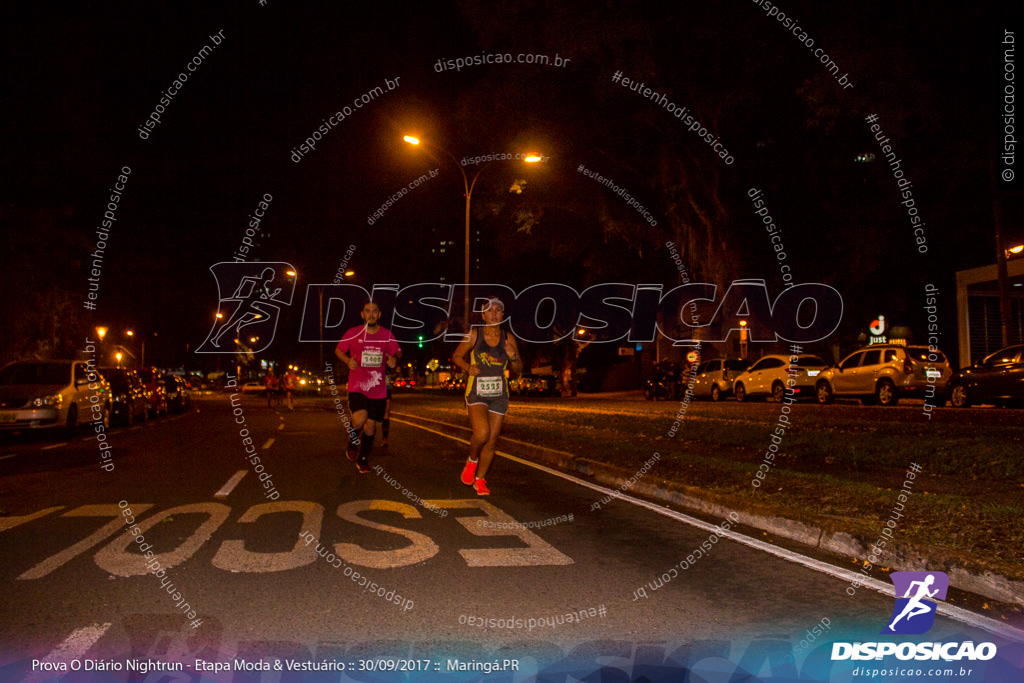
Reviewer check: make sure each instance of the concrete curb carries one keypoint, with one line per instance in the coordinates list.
(902, 557)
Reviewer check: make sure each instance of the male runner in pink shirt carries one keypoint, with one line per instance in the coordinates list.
(366, 350)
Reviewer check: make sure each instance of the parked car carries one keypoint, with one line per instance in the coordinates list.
(770, 376)
(128, 395)
(998, 379)
(667, 383)
(179, 395)
(253, 388)
(156, 395)
(51, 394)
(456, 384)
(403, 384)
(883, 373)
(533, 385)
(715, 378)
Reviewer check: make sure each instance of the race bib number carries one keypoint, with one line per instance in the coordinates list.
(489, 387)
(372, 358)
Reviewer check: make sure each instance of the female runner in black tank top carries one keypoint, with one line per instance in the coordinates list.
(484, 355)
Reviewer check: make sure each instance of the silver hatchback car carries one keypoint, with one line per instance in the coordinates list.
(52, 394)
(715, 377)
(883, 373)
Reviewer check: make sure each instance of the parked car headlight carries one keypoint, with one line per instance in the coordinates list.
(53, 401)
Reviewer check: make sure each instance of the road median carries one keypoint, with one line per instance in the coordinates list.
(840, 510)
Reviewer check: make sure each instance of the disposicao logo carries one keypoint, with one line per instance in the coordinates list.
(914, 613)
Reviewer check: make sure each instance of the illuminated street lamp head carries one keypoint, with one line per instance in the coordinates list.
(1017, 249)
(743, 323)
(219, 315)
(290, 273)
(532, 158)
(411, 140)
(349, 273)
(102, 332)
(130, 333)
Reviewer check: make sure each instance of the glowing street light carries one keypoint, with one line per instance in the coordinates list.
(468, 185)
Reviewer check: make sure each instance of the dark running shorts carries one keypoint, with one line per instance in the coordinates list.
(374, 407)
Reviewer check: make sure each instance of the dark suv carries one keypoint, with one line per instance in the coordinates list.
(998, 379)
(129, 396)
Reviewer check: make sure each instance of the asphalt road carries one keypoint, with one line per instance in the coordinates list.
(74, 586)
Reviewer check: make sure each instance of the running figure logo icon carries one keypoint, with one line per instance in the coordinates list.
(913, 614)
(248, 317)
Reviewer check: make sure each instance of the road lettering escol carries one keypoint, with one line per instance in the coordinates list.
(119, 556)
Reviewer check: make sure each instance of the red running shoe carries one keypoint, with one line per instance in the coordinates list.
(468, 471)
(352, 452)
(363, 466)
(481, 487)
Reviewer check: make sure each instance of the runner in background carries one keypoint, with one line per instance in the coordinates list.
(270, 382)
(289, 381)
(366, 350)
(489, 350)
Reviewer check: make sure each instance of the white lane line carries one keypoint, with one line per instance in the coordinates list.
(280, 426)
(956, 613)
(55, 445)
(74, 647)
(5, 457)
(268, 444)
(231, 484)
(504, 438)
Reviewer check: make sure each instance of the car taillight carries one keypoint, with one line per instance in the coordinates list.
(908, 367)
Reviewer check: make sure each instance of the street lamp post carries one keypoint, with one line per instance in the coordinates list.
(468, 185)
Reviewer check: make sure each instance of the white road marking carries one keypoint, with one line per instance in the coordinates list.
(109, 529)
(12, 455)
(466, 429)
(280, 426)
(538, 551)
(955, 613)
(74, 647)
(228, 487)
(232, 555)
(422, 549)
(11, 522)
(116, 559)
(268, 444)
(55, 445)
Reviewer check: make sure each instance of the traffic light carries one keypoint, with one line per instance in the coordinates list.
(420, 338)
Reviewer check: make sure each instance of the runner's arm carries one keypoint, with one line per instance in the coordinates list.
(465, 346)
(515, 360)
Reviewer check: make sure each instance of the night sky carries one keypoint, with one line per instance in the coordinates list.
(80, 79)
